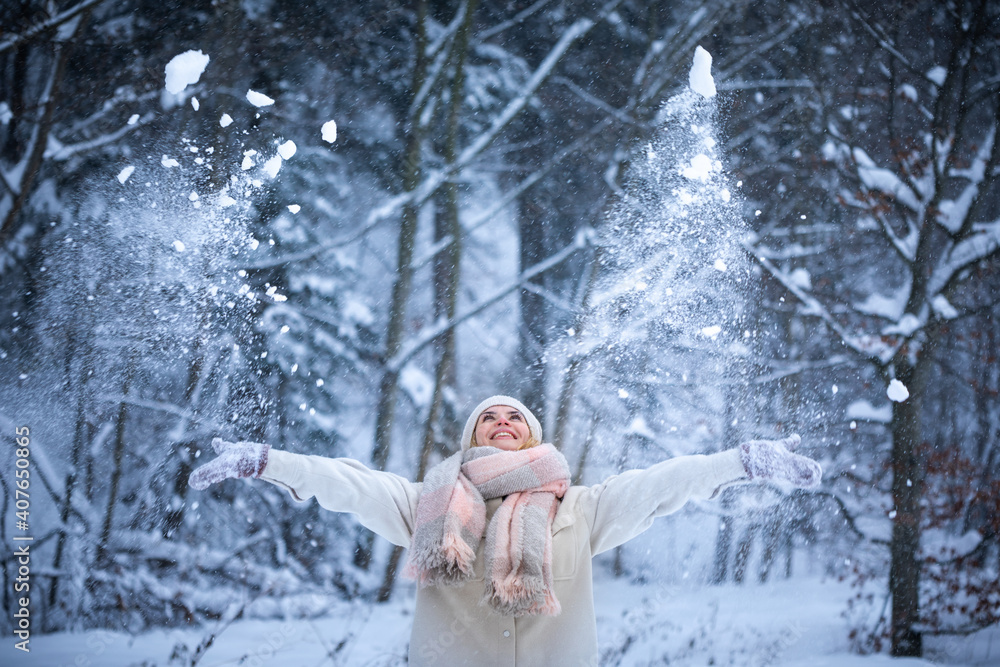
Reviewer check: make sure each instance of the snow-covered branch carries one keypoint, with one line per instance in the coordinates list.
(60, 152)
(868, 348)
(849, 518)
(984, 242)
(580, 28)
(410, 348)
(49, 24)
(514, 20)
(885, 42)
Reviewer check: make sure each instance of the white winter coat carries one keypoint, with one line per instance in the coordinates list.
(450, 626)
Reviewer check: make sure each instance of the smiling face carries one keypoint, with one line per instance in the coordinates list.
(503, 427)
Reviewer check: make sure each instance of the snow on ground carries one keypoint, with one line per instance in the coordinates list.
(793, 623)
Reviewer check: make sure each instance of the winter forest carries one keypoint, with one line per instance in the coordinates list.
(667, 227)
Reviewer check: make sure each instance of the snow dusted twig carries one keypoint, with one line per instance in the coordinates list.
(42, 468)
(49, 24)
(849, 518)
(514, 20)
(817, 309)
(620, 114)
(778, 36)
(801, 367)
(885, 42)
(765, 83)
(580, 28)
(232, 613)
(409, 349)
(65, 152)
(974, 242)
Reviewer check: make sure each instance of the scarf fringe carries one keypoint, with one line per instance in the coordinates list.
(522, 599)
(449, 566)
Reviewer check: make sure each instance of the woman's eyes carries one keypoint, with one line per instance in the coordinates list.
(514, 417)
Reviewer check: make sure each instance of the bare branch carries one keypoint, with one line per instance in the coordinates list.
(410, 349)
(514, 20)
(880, 354)
(50, 24)
(67, 151)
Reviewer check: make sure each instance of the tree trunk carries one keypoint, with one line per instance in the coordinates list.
(386, 410)
(81, 436)
(724, 537)
(447, 274)
(118, 456)
(50, 102)
(907, 476)
(530, 374)
(723, 540)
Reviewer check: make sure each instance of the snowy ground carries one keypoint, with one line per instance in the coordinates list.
(791, 623)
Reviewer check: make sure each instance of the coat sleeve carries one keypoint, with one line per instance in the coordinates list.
(625, 505)
(383, 502)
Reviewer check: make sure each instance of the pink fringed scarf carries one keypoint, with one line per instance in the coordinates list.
(451, 521)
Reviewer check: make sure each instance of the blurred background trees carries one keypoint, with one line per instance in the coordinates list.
(455, 241)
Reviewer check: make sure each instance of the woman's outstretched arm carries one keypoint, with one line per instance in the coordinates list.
(384, 503)
(625, 505)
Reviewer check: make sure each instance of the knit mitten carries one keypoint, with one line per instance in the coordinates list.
(773, 460)
(235, 459)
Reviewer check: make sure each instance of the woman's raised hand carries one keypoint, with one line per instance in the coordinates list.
(773, 460)
(235, 459)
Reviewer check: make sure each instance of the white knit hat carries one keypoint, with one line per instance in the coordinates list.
(534, 427)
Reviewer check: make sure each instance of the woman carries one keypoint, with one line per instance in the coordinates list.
(500, 543)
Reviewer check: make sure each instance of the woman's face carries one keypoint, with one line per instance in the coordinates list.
(503, 427)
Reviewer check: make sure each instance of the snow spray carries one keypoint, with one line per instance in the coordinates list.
(674, 272)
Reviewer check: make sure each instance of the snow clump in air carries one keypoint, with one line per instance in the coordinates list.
(897, 391)
(184, 70)
(272, 166)
(287, 150)
(259, 99)
(125, 173)
(700, 78)
(700, 169)
(330, 131)
(226, 120)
